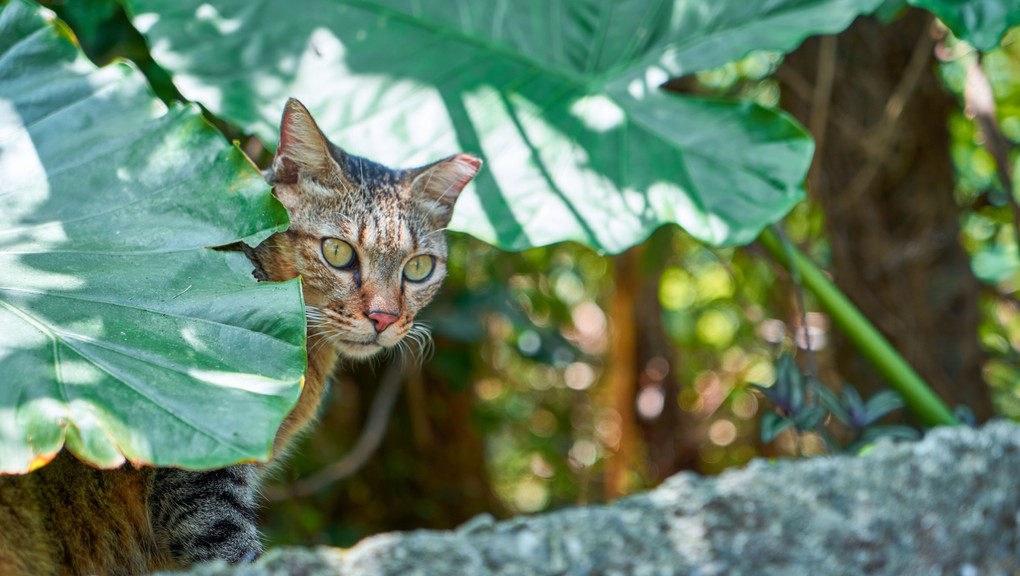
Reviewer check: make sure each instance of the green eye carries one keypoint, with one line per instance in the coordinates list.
(419, 268)
(337, 252)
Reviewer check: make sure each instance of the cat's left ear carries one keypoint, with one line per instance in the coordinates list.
(438, 185)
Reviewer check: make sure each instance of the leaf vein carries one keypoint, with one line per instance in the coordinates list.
(148, 310)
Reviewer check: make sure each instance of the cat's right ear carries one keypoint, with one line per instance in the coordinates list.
(302, 147)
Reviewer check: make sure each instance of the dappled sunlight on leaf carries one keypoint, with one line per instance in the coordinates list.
(121, 329)
(580, 142)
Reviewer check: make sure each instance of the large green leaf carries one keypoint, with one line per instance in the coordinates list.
(121, 335)
(560, 96)
(980, 22)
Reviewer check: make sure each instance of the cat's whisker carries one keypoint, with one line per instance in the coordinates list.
(436, 231)
(412, 357)
(374, 363)
(320, 327)
(409, 358)
(313, 314)
(315, 346)
(346, 189)
(429, 181)
(416, 354)
(406, 354)
(325, 333)
(318, 344)
(436, 202)
(423, 332)
(343, 217)
(418, 338)
(394, 353)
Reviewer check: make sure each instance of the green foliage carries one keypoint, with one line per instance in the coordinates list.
(980, 22)
(788, 391)
(772, 425)
(868, 340)
(986, 217)
(561, 98)
(986, 224)
(123, 335)
(803, 403)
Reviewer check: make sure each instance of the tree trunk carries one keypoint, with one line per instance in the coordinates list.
(620, 378)
(884, 178)
(670, 434)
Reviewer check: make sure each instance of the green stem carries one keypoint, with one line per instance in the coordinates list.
(865, 337)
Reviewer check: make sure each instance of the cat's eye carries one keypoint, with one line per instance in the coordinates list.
(337, 252)
(419, 268)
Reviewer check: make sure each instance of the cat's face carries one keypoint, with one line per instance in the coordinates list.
(367, 241)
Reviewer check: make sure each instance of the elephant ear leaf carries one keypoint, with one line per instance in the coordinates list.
(122, 335)
(561, 98)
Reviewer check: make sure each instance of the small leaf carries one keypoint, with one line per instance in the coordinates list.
(790, 383)
(965, 415)
(881, 404)
(890, 431)
(772, 425)
(831, 402)
(995, 264)
(873, 433)
(809, 418)
(854, 405)
(770, 393)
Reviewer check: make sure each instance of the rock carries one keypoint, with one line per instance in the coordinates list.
(948, 504)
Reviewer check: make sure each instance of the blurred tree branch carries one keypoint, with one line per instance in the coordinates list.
(367, 444)
(981, 107)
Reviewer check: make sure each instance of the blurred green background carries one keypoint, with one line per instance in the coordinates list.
(562, 376)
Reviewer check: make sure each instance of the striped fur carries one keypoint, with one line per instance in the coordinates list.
(201, 516)
(70, 519)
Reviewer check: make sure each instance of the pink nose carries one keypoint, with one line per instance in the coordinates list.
(382, 320)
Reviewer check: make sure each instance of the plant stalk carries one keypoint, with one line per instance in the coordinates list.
(919, 397)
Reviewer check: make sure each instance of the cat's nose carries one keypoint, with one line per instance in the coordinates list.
(381, 320)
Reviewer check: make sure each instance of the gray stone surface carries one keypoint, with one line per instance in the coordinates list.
(947, 505)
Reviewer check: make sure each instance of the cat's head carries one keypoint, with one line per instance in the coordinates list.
(366, 240)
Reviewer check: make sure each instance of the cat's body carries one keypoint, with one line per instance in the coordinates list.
(368, 244)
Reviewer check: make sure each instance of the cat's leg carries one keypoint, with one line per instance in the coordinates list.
(202, 516)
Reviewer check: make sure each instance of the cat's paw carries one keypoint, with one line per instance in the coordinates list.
(245, 552)
(250, 557)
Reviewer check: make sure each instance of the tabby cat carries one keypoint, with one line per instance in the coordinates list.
(368, 244)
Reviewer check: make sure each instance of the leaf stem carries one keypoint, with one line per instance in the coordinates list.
(798, 285)
(919, 397)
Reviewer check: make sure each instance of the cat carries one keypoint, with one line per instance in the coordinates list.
(368, 243)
